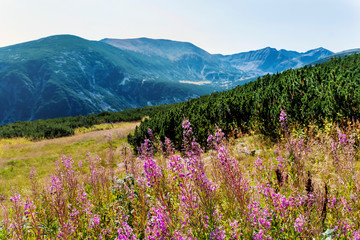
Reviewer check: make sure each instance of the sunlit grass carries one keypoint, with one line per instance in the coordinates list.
(19, 156)
(98, 127)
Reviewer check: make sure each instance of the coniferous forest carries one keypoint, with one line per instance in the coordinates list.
(312, 94)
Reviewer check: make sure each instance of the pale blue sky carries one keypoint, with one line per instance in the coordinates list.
(226, 26)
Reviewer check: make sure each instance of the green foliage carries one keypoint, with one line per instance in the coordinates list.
(60, 127)
(309, 94)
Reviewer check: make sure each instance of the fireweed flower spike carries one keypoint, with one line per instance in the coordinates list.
(299, 224)
(284, 122)
(283, 118)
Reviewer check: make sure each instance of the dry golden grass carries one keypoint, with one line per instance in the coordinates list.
(19, 156)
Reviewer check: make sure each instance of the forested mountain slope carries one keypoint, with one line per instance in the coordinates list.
(313, 93)
(65, 75)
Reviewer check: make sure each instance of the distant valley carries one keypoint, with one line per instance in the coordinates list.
(65, 75)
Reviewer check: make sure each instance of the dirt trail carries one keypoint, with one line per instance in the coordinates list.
(23, 151)
(120, 132)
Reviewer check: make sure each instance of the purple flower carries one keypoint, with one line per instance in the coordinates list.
(74, 213)
(152, 171)
(342, 138)
(210, 140)
(94, 222)
(299, 223)
(28, 206)
(186, 125)
(356, 235)
(169, 146)
(158, 224)
(259, 235)
(16, 198)
(32, 174)
(126, 232)
(149, 131)
(217, 234)
(146, 149)
(259, 163)
(56, 184)
(80, 164)
(177, 167)
(67, 162)
(283, 118)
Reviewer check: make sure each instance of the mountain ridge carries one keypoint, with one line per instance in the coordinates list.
(66, 75)
(270, 60)
(338, 54)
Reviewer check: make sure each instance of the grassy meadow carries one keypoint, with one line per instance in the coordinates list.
(18, 156)
(303, 186)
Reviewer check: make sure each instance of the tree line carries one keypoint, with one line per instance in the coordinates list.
(309, 94)
(61, 127)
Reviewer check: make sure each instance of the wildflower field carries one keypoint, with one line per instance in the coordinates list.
(305, 186)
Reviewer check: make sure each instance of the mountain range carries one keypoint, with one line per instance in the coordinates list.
(270, 60)
(66, 75)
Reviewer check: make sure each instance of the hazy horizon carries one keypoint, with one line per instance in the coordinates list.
(226, 28)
